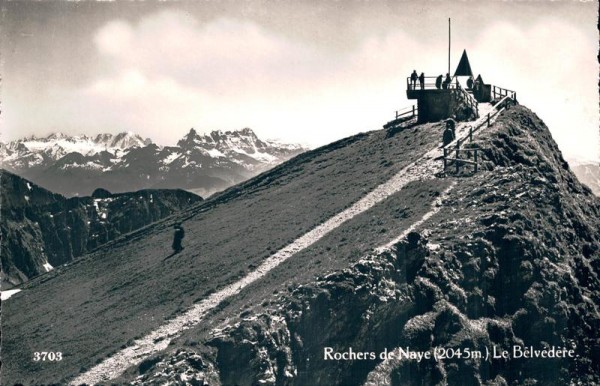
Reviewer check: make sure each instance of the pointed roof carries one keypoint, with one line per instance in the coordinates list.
(479, 79)
(464, 68)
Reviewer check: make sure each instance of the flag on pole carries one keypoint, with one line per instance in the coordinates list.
(464, 68)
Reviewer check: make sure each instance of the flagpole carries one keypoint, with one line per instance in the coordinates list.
(449, 35)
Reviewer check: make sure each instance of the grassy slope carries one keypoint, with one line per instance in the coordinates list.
(124, 290)
(334, 252)
(514, 259)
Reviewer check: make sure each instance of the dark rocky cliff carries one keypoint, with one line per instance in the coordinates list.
(41, 229)
(512, 260)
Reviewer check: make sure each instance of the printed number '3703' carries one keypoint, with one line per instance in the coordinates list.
(49, 356)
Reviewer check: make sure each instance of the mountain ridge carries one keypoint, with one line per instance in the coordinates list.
(589, 174)
(76, 165)
(42, 230)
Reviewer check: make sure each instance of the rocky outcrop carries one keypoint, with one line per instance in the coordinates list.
(42, 230)
(185, 368)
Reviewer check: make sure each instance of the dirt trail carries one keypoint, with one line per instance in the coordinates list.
(423, 168)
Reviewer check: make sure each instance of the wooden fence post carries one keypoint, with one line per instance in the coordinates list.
(488, 119)
(476, 160)
(445, 155)
(470, 133)
(457, 151)
(413, 110)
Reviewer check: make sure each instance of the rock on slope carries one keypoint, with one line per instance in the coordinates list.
(41, 229)
(512, 260)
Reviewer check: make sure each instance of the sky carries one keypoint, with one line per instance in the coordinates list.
(307, 72)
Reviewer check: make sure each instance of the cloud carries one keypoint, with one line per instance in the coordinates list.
(224, 55)
(115, 38)
(169, 72)
(230, 74)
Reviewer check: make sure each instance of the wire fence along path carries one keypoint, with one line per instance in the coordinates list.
(422, 169)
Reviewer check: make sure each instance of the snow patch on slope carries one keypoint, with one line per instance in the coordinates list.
(4, 295)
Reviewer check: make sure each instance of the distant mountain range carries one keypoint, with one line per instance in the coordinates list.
(202, 163)
(589, 174)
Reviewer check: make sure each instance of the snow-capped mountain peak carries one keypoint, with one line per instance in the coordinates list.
(209, 161)
(54, 137)
(243, 145)
(36, 151)
(125, 140)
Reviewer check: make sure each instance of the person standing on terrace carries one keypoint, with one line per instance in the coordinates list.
(413, 79)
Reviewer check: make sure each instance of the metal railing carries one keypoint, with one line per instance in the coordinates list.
(428, 84)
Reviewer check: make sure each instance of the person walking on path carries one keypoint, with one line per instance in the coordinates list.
(422, 80)
(449, 133)
(413, 79)
(177, 238)
(447, 136)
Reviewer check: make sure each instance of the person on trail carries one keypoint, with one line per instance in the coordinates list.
(179, 234)
(422, 80)
(413, 79)
(470, 82)
(438, 82)
(449, 133)
(451, 123)
(448, 136)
